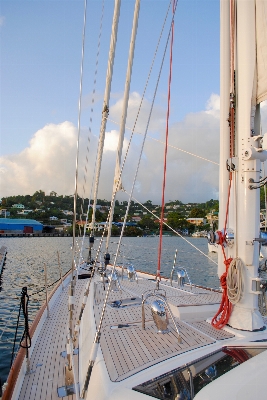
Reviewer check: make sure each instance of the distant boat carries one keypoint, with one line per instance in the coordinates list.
(199, 234)
(213, 247)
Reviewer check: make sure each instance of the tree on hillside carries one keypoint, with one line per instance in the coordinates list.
(147, 223)
(197, 213)
(148, 204)
(177, 221)
(262, 198)
(132, 231)
(38, 195)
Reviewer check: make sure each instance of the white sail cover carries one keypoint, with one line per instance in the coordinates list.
(261, 40)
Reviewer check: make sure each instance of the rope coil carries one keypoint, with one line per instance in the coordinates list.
(26, 334)
(223, 314)
(234, 280)
(24, 300)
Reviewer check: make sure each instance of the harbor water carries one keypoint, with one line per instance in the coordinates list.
(27, 257)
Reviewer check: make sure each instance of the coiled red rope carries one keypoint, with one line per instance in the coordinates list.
(222, 316)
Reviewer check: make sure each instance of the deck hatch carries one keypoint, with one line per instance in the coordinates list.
(186, 381)
(129, 350)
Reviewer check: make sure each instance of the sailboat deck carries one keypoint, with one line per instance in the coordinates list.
(126, 347)
(47, 363)
(129, 350)
(176, 296)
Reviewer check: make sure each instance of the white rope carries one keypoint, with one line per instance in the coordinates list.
(136, 171)
(78, 142)
(169, 145)
(176, 233)
(86, 168)
(235, 283)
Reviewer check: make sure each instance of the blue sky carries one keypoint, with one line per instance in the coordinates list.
(40, 72)
(41, 52)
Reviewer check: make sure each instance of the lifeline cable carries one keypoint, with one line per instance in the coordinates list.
(15, 338)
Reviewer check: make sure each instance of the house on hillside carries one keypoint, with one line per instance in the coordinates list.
(20, 206)
(25, 212)
(67, 212)
(4, 213)
(196, 221)
(136, 218)
(212, 217)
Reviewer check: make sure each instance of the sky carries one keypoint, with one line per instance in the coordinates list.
(40, 62)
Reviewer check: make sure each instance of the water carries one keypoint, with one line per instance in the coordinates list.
(25, 267)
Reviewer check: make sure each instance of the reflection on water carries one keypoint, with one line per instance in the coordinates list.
(25, 267)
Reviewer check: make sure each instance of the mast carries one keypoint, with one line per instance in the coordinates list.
(117, 179)
(224, 111)
(244, 164)
(105, 112)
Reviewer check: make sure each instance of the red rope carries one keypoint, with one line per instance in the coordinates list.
(238, 354)
(222, 316)
(166, 150)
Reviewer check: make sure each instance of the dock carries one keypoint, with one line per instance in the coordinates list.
(39, 234)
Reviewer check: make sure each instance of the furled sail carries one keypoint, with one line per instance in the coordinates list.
(261, 40)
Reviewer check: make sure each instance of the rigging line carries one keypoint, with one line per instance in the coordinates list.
(78, 142)
(139, 160)
(127, 150)
(168, 226)
(169, 145)
(97, 336)
(262, 180)
(265, 197)
(91, 113)
(137, 116)
(232, 80)
(106, 99)
(166, 147)
(124, 111)
(15, 338)
(184, 151)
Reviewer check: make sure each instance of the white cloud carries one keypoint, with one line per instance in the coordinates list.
(48, 163)
(213, 105)
(188, 178)
(2, 20)
(157, 121)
